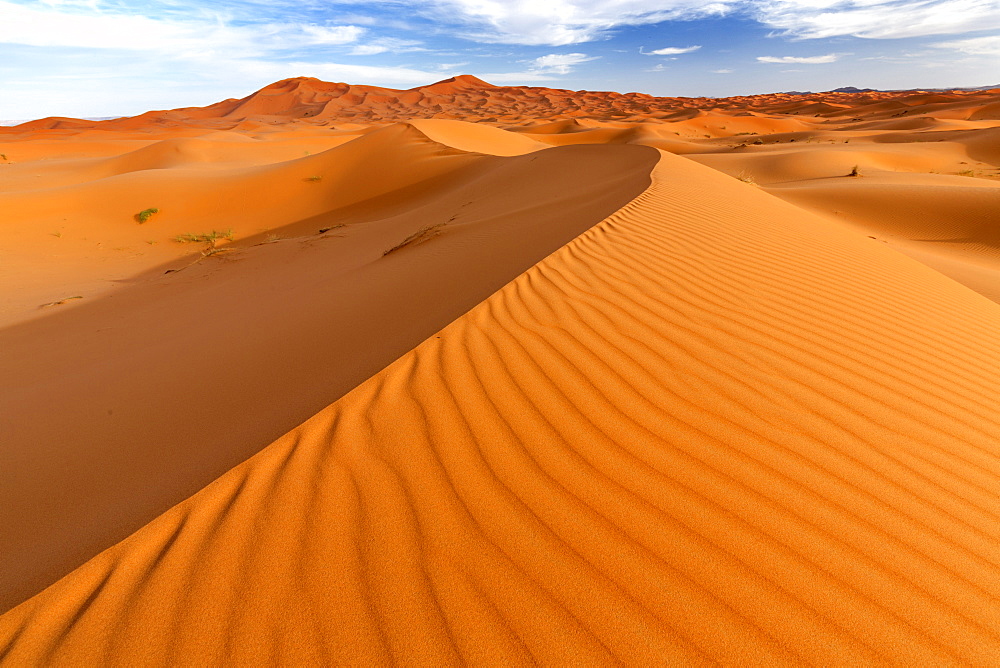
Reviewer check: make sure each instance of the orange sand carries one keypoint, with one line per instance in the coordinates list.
(639, 411)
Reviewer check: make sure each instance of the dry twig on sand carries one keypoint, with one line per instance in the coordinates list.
(420, 236)
(61, 301)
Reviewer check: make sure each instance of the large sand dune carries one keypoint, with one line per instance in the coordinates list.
(586, 401)
(165, 384)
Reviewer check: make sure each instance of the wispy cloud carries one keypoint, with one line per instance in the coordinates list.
(379, 45)
(544, 68)
(806, 60)
(722, 71)
(671, 50)
(975, 46)
(177, 55)
(531, 22)
(66, 25)
(881, 19)
(560, 63)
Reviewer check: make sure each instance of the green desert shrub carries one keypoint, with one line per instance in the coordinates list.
(145, 215)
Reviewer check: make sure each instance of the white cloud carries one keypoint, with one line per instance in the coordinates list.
(806, 60)
(545, 68)
(559, 63)
(176, 57)
(91, 4)
(976, 46)
(723, 71)
(880, 19)
(70, 27)
(562, 22)
(450, 66)
(671, 50)
(385, 45)
(330, 34)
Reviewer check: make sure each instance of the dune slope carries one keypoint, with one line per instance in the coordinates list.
(713, 428)
(126, 405)
(949, 225)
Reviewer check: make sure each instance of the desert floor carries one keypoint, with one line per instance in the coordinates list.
(472, 374)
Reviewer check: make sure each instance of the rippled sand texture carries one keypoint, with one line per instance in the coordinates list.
(712, 428)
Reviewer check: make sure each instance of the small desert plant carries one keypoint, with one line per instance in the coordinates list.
(145, 215)
(313, 178)
(967, 172)
(57, 235)
(747, 177)
(210, 238)
(3, 155)
(421, 235)
(855, 171)
(207, 238)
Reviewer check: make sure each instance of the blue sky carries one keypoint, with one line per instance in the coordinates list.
(116, 57)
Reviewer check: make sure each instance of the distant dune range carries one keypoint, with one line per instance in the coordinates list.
(553, 386)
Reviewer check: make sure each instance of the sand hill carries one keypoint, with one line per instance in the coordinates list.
(334, 374)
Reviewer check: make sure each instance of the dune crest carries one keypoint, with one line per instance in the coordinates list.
(713, 428)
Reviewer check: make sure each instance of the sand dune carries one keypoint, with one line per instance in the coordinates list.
(309, 102)
(710, 429)
(948, 223)
(586, 400)
(97, 216)
(159, 388)
(476, 138)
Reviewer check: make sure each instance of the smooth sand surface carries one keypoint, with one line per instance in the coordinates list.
(587, 401)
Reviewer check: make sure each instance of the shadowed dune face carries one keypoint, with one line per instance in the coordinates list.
(606, 377)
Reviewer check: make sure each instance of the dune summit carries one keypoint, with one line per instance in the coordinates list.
(340, 374)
